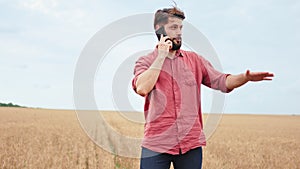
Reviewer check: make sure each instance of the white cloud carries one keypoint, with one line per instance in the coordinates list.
(57, 9)
(41, 39)
(44, 6)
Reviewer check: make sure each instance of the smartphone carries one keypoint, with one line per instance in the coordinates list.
(160, 31)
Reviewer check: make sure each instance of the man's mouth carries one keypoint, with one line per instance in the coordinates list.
(177, 40)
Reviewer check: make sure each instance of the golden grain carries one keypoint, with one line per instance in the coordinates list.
(40, 138)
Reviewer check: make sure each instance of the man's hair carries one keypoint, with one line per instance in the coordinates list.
(162, 15)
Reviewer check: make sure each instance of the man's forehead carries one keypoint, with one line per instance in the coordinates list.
(173, 20)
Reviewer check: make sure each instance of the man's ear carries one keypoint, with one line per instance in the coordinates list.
(157, 27)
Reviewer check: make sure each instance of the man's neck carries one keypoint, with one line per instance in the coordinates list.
(172, 54)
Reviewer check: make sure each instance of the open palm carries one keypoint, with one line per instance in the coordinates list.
(258, 76)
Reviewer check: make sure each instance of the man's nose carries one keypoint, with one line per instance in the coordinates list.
(179, 32)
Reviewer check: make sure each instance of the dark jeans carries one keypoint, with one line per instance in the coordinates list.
(153, 160)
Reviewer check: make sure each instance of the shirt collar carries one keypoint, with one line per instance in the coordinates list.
(178, 52)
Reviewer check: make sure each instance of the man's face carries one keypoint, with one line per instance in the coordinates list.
(174, 29)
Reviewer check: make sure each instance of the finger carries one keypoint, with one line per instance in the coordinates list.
(265, 74)
(168, 40)
(247, 72)
(161, 38)
(271, 74)
(261, 73)
(169, 43)
(267, 78)
(165, 38)
(163, 46)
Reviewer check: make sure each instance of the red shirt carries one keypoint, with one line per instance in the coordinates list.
(173, 108)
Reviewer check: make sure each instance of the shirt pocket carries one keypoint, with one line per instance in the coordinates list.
(188, 77)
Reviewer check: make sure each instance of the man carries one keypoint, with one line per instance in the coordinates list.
(170, 79)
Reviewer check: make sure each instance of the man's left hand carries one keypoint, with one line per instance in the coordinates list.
(258, 76)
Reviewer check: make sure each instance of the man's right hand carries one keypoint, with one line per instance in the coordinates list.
(146, 81)
(164, 46)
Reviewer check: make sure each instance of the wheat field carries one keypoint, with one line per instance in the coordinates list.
(43, 138)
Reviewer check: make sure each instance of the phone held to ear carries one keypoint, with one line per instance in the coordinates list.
(161, 31)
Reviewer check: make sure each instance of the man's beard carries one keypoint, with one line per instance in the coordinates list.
(176, 44)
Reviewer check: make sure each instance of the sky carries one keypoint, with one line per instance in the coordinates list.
(41, 42)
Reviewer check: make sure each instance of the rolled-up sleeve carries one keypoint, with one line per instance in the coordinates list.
(214, 79)
(141, 65)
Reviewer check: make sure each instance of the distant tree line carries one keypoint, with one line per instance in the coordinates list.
(9, 105)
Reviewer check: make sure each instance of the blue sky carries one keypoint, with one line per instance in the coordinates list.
(41, 41)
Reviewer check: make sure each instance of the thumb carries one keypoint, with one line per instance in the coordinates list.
(247, 72)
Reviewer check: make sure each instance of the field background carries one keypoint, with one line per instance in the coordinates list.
(42, 138)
